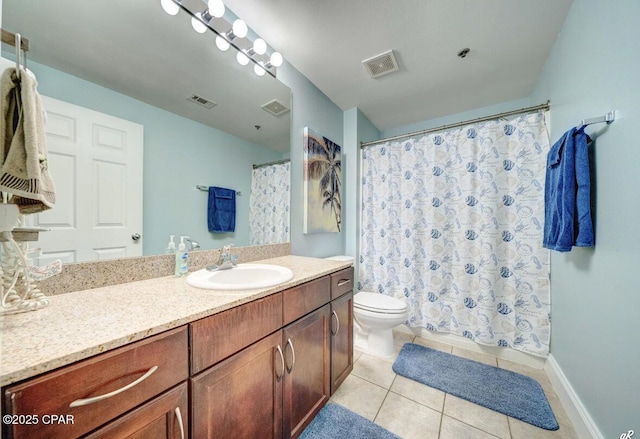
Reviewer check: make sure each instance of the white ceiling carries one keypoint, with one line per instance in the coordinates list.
(327, 40)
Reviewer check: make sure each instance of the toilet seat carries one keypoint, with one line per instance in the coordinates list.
(379, 303)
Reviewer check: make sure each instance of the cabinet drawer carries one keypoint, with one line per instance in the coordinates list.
(216, 337)
(341, 282)
(302, 300)
(93, 391)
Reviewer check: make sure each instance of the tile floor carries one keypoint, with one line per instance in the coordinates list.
(412, 410)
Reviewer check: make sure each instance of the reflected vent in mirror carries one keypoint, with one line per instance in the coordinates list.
(381, 65)
(202, 101)
(275, 107)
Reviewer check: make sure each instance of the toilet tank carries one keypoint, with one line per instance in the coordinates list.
(341, 258)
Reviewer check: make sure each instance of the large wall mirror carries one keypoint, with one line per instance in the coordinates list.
(128, 61)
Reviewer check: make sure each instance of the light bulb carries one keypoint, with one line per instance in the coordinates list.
(243, 59)
(170, 7)
(216, 8)
(222, 43)
(259, 46)
(239, 28)
(197, 24)
(276, 59)
(258, 70)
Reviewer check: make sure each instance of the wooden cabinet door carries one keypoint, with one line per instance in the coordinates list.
(241, 397)
(306, 381)
(341, 339)
(164, 417)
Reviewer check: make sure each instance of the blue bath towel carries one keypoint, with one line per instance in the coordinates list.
(567, 218)
(221, 211)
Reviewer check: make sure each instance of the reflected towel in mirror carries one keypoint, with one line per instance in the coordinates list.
(221, 211)
(23, 152)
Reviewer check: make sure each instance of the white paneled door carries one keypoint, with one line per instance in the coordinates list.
(96, 163)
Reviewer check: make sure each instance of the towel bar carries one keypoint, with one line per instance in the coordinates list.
(206, 189)
(608, 118)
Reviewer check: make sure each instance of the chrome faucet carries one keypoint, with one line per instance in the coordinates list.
(193, 244)
(227, 260)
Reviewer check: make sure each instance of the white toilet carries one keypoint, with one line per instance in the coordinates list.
(375, 316)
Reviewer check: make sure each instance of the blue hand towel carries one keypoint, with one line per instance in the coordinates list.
(221, 211)
(567, 194)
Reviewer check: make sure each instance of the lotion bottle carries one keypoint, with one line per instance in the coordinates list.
(182, 266)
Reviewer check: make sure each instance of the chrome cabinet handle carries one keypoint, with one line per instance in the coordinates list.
(342, 282)
(334, 314)
(87, 401)
(279, 376)
(293, 356)
(180, 424)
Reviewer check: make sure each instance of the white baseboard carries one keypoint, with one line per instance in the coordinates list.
(464, 343)
(580, 418)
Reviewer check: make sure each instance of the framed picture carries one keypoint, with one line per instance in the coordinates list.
(322, 184)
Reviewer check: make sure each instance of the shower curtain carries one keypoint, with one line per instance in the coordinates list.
(269, 204)
(452, 223)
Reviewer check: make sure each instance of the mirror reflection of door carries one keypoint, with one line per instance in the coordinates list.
(96, 163)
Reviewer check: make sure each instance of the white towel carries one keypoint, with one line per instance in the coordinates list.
(23, 150)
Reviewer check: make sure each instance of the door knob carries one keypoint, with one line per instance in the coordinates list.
(135, 236)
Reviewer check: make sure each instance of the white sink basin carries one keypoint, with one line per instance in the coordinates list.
(241, 277)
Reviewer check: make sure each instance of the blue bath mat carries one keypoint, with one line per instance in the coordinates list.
(497, 389)
(335, 422)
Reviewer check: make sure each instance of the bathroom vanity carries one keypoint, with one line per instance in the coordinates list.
(259, 363)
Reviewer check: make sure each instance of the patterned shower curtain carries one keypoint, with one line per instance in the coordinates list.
(452, 223)
(269, 204)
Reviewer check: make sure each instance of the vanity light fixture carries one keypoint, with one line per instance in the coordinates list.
(222, 43)
(203, 20)
(214, 9)
(197, 23)
(275, 60)
(258, 69)
(170, 7)
(238, 30)
(242, 58)
(259, 47)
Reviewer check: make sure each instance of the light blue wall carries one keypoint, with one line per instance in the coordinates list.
(357, 128)
(311, 108)
(458, 117)
(178, 155)
(594, 67)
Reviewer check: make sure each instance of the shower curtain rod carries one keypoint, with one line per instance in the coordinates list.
(271, 163)
(459, 124)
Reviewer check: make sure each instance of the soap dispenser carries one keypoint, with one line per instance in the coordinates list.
(182, 266)
(171, 246)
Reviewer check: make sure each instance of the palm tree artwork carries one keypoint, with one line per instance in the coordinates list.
(322, 184)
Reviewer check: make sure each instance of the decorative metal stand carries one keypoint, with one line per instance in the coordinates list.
(18, 289)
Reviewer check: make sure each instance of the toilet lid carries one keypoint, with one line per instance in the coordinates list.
(379, 303)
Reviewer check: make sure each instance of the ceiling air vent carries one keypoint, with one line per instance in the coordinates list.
(275, 107)
(202, 101)
(381, 65)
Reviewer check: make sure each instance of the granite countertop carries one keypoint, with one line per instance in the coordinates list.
(81, 324)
